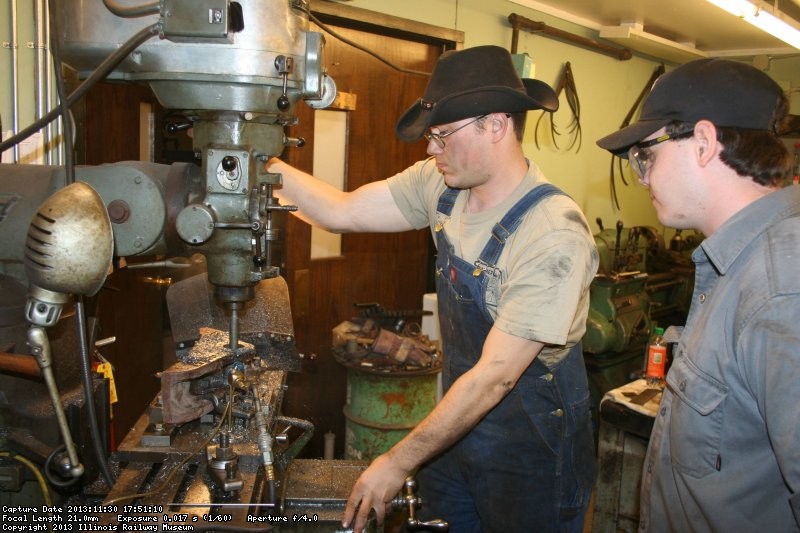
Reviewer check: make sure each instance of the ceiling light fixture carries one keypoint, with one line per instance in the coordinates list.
(762, 19)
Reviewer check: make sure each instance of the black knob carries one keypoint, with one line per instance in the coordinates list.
(173, 127)
(229, 163)
(283, 103)
(297, 142)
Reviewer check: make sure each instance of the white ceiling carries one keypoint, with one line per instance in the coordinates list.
(677, 30)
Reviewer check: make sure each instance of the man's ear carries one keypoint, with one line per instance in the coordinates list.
(498, 122)
(500, 126)
(707, 145)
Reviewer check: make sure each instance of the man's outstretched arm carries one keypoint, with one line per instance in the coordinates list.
(369, 208)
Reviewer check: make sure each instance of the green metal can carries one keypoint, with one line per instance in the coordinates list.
(382, 407)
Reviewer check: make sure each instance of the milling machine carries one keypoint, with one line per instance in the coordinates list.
(211, 451)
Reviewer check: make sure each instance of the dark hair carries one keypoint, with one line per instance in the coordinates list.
(757, 154)
(519, 119)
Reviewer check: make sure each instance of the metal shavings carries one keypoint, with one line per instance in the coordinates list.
(212, 345)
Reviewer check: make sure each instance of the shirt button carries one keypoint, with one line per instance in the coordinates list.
(663, 411)
(682, 386)
(558, 412)
(548, 376)
(702, 298)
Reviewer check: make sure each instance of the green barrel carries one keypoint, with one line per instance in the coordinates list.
(382, 407)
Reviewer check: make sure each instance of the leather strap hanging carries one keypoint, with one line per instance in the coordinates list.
(625, 122)
(566, 84)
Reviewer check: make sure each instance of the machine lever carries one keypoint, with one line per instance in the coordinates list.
(284, 65)
(408, 499)
(174, 127)
(438, 524)
(616, 247)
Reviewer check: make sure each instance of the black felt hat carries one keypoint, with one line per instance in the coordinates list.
(726, 93)
(469, 83)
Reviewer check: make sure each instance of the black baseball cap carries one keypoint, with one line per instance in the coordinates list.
(726, 93)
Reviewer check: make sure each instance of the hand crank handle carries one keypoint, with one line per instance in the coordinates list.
(412, 524)
(409, 501)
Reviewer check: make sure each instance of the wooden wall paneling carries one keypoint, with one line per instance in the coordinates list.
(111, 130)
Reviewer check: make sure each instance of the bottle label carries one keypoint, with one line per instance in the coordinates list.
(656, 361)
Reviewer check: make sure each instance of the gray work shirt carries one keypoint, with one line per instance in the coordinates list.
(724, 454)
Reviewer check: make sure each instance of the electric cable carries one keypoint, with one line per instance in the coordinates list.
(36, 472)
(61, 90)
(97, 75)
(364, 49)
(88, 390)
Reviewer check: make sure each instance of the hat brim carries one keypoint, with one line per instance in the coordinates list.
(543, 94)
(417, 119)
(620, 141)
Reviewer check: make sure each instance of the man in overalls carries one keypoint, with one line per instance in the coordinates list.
(510, 446)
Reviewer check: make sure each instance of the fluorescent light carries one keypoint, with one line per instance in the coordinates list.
(761, 19)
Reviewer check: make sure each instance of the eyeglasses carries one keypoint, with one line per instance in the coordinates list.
(438, 138)
(641, 159)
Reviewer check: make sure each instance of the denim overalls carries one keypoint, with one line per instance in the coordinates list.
(529, 464)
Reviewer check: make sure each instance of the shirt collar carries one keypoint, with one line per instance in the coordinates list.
(728, 242)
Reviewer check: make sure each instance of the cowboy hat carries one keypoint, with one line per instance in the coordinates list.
(470, 83)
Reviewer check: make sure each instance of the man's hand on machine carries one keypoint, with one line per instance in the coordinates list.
(375, 489)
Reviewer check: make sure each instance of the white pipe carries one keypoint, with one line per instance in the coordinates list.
(56, 150)
(39, 62)
(14, 77)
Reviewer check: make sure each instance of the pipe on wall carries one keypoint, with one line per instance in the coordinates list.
(39, 66)
(30, 67)
(14, 75)
(521, 23)
(55, 151)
